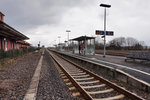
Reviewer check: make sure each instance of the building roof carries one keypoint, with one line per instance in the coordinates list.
(8, 31)
(23, 42)
(81, 38)
(2, 13)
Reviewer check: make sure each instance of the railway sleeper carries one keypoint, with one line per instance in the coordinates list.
(106, 94)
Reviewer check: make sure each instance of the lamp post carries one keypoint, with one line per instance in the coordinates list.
(65, 45)
(59, 39)
(68, 37)
(54, 43)
(59, 42)
(105, 6)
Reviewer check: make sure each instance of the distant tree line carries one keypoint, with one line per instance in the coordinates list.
(122, 43)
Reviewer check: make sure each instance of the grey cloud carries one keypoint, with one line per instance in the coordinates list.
(125, 17)
(28, 14)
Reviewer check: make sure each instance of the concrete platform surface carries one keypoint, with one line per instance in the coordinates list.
(139, 71)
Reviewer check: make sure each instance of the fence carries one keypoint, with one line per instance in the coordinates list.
(15, 53)
(142, 55)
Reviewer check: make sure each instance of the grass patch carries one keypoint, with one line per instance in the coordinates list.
(7, 58)
(5, 62)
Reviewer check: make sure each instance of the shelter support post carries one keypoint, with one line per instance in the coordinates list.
(85, 51)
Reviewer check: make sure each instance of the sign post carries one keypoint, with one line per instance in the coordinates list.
(68, 38)
(108, 33)
(105, 6)
(104, 33)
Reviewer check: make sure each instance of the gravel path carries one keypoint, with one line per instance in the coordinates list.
(51, 85)
(15, 79)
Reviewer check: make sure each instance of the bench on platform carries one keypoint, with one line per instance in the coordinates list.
(139, 55)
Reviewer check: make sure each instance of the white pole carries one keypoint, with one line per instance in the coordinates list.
(104, 32)
(68, 40)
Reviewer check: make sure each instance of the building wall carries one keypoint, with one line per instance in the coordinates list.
(0, 43)
(7, 44)
(1, 17)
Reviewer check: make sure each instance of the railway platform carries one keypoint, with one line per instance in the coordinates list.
(79, 75)
(140, 71)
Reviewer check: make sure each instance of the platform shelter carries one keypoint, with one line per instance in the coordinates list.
(83, 45)
(61, 47)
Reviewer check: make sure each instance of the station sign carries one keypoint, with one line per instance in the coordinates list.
(99, 32)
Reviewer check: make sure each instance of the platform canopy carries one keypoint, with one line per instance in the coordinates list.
(82, 38)
(8, 31)
(83, 45)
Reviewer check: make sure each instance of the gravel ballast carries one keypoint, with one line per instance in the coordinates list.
(51, 85)
(15, 79)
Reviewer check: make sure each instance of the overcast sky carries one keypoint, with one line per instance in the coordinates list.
(45, 20)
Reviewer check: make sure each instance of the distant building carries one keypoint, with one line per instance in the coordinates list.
(61, 46)
(10, 38)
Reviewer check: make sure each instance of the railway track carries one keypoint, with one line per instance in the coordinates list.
(90, 85)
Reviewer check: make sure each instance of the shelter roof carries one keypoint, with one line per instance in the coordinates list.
(81, 38)
(8, 31)
(61, 44)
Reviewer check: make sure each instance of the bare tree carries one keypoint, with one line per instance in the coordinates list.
(117, 43)
(125, 43)
(131, 41)
(99, 43)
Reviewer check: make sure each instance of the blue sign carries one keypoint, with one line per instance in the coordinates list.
(110, 33)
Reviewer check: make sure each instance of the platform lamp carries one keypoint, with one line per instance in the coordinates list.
(59, 43)
(59, 39)
(65, 45)
(105, 6)
(68, 31)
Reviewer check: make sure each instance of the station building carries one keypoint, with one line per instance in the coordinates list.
(10, 38)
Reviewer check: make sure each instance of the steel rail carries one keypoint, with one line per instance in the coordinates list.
(81, 90)
(105, 81)
(114, 86)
